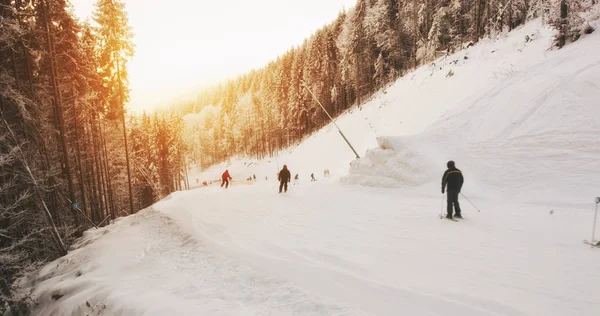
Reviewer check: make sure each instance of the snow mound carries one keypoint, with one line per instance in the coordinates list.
(513, 109)
(397, 162)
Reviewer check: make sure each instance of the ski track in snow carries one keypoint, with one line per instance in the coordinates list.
(395, 259)
(176, 272)
(522, 124)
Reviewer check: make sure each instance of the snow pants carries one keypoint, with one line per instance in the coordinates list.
(225, 182)
(453, 200)
(283, 186)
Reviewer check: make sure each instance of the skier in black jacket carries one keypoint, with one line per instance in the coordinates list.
(453, 179)
(284, 177)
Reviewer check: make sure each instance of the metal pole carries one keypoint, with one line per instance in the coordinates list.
(85, 216)
(442, 206)
(104, 220)
(332, 121)
(125, 138)
(595, 217)
(478, 210)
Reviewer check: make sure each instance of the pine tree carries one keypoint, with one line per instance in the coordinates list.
(381, 25)
(516, 13)
(566, 16)
(343, 63)
(115, 44)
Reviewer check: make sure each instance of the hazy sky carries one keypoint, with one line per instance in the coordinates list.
(187, 44)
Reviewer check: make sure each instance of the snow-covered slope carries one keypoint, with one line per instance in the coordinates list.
(508, 101)
(520, 120)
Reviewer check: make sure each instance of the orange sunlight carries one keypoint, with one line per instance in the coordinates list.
(183, 47)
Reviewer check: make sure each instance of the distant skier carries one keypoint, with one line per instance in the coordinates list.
(225, 179)
(453, 179)
(284, 177)
(296, 179)
(312, 177)
(254, 177)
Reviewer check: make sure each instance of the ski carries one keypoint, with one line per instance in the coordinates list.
(450, 219)
(593, 244)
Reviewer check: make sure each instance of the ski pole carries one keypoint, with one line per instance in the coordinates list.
(478, 210)
(595, 217)
(442, 206)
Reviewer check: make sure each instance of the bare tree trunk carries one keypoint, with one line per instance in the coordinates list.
(46, 7)
(110, 205)
(187, 177)
(478, 14)
(91, 175)
(125, 138)
(78, 156)
(16, 70)
(101, 172)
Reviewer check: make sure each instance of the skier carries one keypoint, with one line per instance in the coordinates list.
(312, 177)
(254, 177)
(284, 177)
(225, 179)
(453, 178)
(296, 179)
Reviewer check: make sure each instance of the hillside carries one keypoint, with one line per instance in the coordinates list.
(507, 98)
(519, 119)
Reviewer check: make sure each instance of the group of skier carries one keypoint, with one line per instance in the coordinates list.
(452, 182)
(284, 177)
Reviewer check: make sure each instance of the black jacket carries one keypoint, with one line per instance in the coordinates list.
(285, 175)
(453, 178)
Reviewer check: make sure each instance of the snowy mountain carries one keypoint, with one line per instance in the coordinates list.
(521, 122)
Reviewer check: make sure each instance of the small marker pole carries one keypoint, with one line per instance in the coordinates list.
(442, 207)
(478, 210)
(592, 241)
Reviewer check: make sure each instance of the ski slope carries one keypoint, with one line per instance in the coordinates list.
(520, 120)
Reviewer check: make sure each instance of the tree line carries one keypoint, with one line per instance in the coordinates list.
(70, 157)
(344, 63)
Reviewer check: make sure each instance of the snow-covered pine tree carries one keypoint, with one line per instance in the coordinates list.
(344, 45)
(381, 24)
(439, 38)
(379, 75)
(566, 17)
(516, 13)
(115, 47)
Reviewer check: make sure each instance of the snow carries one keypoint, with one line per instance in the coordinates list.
(521, 122)
(144, 264)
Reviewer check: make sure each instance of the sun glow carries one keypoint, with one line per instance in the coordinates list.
(184, 46)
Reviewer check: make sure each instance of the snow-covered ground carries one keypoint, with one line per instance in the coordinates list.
(520, 120)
